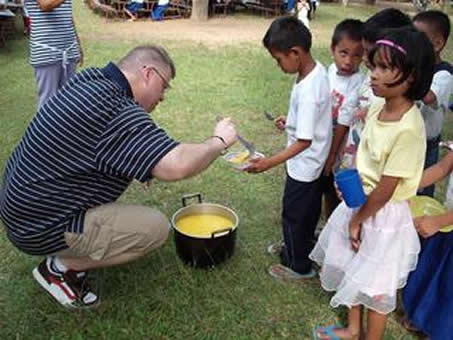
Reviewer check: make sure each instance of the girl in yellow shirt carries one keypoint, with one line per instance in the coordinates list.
(367, 253)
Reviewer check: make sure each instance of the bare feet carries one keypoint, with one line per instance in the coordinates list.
(342, 333)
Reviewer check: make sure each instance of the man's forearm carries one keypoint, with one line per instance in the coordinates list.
(187, 160)
(49, 5)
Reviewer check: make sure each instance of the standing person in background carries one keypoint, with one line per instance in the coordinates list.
(434, 106)
(55, 47)
(309, 129)
(303, 8)
(345, 80)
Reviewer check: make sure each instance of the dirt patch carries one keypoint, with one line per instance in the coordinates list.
(215, 32)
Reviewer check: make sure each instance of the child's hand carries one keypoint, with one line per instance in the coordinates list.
(426, 226)
(361, 114)
(329, 165)
(258, 165)
(280, 123)
(337, 190)
(354, 234)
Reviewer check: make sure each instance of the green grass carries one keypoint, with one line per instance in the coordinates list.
(157, 297)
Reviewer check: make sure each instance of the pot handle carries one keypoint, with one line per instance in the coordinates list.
(221, 231)
(189, 196)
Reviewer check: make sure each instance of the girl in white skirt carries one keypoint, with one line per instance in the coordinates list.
(367, 253)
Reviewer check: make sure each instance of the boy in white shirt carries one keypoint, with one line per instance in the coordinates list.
(345, 80)
(434, 106)
(309, 129)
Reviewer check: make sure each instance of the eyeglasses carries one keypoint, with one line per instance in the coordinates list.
(167, 85)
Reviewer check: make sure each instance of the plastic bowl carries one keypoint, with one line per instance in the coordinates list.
(229, 157)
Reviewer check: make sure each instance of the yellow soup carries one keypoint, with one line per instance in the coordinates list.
(240, 158)
(202, 225)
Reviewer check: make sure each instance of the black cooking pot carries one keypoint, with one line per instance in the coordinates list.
(207, 251)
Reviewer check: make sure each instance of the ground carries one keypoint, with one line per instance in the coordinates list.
(216, 32)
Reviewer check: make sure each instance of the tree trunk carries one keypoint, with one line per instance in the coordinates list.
(199, 10)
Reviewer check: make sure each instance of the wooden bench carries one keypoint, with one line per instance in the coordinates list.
(183, 8)
(220, 6)
(268, 7)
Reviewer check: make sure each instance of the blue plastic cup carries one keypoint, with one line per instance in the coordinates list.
(350, 186)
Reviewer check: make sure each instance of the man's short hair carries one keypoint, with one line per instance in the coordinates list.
(439, 21)
(286, 33)
(147, 54)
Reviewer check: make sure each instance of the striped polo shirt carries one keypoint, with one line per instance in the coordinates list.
(81, 150)
(52, 34)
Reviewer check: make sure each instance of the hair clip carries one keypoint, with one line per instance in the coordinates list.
(391, 44)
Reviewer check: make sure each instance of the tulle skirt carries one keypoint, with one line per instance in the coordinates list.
(370, 277)
(428, 295)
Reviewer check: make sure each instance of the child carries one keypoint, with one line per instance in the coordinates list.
(303, 8)
(309, 129)
(434, 106)
(345, 80)
(377, 243)
(428, 295)
(373, 29)
(26, 18)
(159, 9)
(132, 8)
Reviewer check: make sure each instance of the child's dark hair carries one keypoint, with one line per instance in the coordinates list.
(439, 21)
(411, 52)
(286, 33)
(348, 28)
(383, 20)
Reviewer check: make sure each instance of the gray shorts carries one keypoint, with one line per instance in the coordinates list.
(50, 78)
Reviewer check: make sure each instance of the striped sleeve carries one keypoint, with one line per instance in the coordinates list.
(132, 145)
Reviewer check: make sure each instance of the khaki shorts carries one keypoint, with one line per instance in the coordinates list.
(115, 229)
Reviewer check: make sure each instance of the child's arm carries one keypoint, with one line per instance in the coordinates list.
(440, 88)
(430, 98)
(375, 201)
(338, 136)
(438, 171)
(262, 164)
(429, 225)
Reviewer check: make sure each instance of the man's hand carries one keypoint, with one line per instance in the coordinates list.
(226, 129)
(426, 226)
(258, 165)
(280, 123)
(355, 228)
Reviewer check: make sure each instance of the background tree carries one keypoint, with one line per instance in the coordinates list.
(200, 10)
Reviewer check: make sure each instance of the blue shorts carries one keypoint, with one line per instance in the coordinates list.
(134, 7)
